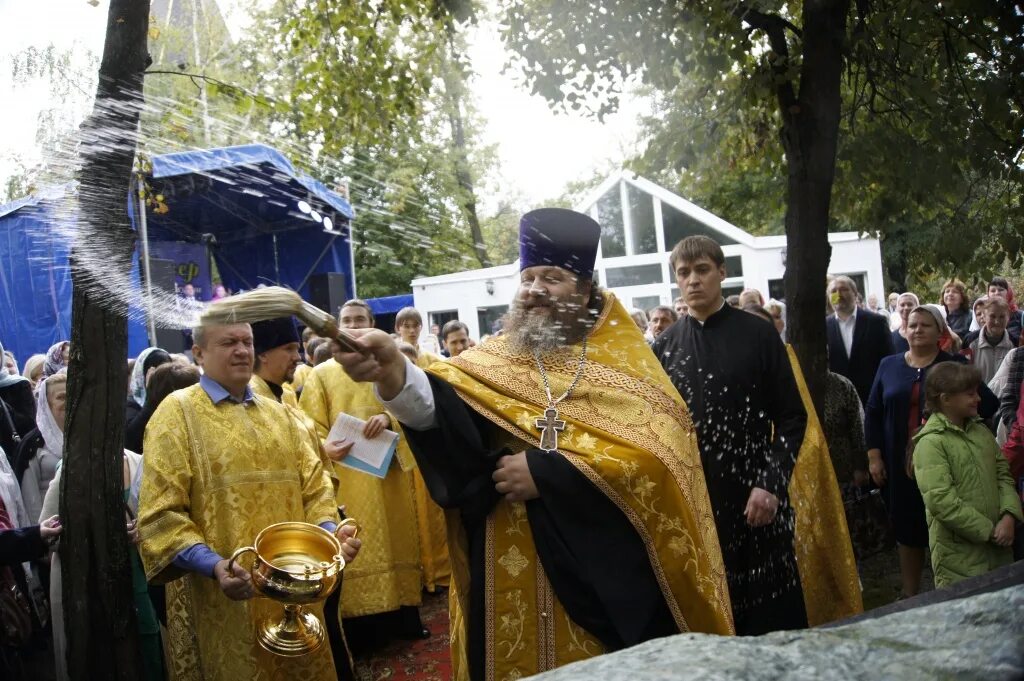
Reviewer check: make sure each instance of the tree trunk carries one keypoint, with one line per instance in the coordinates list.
(453, 90)
(810, 138)
(99, 612)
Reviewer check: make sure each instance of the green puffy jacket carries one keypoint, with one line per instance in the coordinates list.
(966, 485)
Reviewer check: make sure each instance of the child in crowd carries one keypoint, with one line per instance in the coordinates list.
(969, 496)
(991, 346)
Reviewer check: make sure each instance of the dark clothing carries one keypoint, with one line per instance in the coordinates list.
(959, 321)
(899, 343)
(1013, 327)
(21, 545)
(897, 402)
(871, 342)
(1009, 399)
(27, 450)
(844, 428)
(21, 407)
(734, 374)
(575, 528)
(136, 419)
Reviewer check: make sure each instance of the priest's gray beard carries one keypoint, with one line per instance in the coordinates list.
(546, 326)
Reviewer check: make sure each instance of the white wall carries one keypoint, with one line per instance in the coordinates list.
(466, 292)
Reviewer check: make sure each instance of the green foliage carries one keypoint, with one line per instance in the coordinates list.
(933, 105)
(372, 89)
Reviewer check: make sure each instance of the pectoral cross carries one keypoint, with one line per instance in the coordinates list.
(550, 426)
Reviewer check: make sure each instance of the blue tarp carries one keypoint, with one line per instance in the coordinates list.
(389, 304)
(263, 220)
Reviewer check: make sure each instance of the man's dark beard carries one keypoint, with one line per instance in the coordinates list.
(528, 330)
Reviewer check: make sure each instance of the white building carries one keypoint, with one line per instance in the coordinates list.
(640, 223)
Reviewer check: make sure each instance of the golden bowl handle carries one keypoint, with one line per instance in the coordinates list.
(234, 556)
(349, 521)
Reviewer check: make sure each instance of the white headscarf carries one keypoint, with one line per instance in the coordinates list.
(53, 435)
(10, 492)
(137, 384)
(6, 377)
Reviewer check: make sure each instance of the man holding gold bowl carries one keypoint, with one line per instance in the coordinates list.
(223, 465)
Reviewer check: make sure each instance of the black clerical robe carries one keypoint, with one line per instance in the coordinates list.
(595, 561)
(735, 376)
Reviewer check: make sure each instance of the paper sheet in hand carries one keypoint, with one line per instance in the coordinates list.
(371, 455)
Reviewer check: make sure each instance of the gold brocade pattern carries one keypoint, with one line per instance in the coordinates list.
(299, 380)
(437, 569)
(824, 553)
(219, 474)
(305, 424)
(628, 431)
(532, 632)
(387, 574)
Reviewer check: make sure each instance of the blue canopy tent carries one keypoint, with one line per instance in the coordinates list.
(35, 285)
(262, 222)
(386, 308)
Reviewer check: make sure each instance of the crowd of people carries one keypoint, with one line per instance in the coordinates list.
(684, 444)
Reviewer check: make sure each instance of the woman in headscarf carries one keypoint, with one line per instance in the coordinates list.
(17, 410)
(895, 410)
(43, 448)
(904, 304)
(165, 379)
(146, 620)
(148, 360)
(57, 358)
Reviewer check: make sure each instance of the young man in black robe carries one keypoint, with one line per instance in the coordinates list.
(568, 526)
(733, 372)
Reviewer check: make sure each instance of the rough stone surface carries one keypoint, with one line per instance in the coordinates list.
(981, 638)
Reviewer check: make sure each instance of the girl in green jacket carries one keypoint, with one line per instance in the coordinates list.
(969, 497)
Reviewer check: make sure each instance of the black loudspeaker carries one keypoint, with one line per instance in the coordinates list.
(171, 340)
(328, 291)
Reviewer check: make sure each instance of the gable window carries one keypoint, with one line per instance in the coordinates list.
(679, 225)
(609, 215)
(641, 220)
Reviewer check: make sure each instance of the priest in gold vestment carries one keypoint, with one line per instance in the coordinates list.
(437, 569)
(221, 465)
(276, 347)
(579, 520)
(388, 576)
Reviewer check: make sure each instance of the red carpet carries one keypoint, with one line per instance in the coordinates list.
(424, 660)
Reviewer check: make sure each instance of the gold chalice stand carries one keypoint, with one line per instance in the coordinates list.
(295, 564)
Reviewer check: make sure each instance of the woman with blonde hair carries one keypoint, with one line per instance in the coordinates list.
(957, 305)
(33, 369)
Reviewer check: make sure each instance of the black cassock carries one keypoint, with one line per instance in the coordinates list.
(734, 373)
(596, 563)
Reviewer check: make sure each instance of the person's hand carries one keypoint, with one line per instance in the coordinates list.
(861, 478)
(381, 362)
(346, 534)
(761, 508)
(876, 467)
(512, 478)
(236, 585)
(338, 449)
(50, 529)
(133, 531)
(1003, 532)
(375, 425)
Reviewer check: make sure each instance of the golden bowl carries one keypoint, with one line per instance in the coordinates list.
(295, 564)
